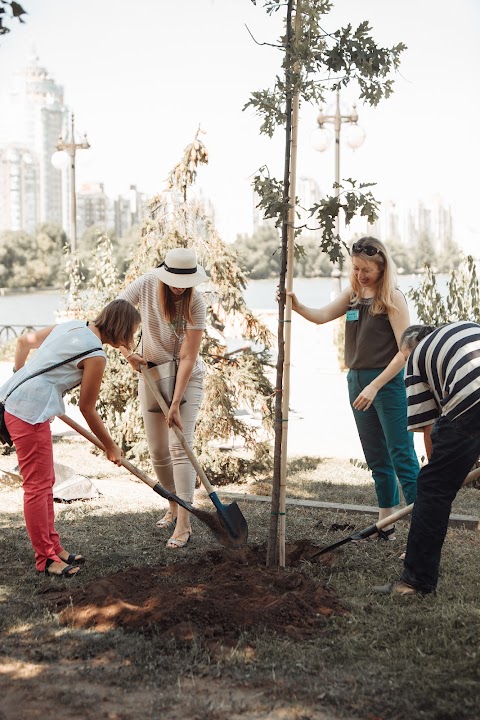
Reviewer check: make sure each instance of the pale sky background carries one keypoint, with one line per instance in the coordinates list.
(142, 75)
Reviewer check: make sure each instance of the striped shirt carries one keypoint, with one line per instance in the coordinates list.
(442, 375)
(158, 336)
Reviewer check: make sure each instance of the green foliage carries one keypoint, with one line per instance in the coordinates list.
(402, 255)
(122, 248)
(184, 173)
(354, 54)
(117, 402)
(315, 60)
(32, 261)
(271, 197)
(423, 251)
(232, 381)
(344, 55)
(449, 258)
(461, 303)
(353, 201)
(39, 260)
(259, 255)
(226, 468)
(16, 12)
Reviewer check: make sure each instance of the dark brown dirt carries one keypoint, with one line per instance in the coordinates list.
(212, 599)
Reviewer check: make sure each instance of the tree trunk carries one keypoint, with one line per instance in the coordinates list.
(272, 549)
(288, 305)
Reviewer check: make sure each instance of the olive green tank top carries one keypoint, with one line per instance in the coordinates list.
(369, 339)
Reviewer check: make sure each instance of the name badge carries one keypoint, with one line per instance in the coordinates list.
(352, 315)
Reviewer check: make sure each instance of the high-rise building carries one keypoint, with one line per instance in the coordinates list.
(94, 208)
(428, 218)
(19, 198)
(37, 116)
(31, 189)
(129, 210)
(432, 219)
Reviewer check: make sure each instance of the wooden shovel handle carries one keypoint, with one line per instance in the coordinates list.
(164, 407)
(390, 519)
(93, 439)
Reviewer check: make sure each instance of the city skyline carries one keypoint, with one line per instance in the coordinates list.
(31, 192)
(142, 107)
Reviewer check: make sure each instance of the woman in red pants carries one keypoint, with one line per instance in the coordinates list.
(68, 355)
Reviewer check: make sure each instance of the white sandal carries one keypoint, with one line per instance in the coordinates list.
(168, 521)
(174, 543)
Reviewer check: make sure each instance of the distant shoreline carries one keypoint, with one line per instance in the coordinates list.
(23, 290)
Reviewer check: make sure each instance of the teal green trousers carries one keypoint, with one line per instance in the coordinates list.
(386, 442)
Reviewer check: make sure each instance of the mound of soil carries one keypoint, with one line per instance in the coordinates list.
(213, 598)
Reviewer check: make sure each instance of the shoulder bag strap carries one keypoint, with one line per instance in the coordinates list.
(52, 367)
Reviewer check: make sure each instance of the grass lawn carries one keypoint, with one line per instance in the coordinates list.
(385, 658)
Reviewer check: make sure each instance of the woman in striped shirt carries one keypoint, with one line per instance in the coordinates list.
(173, 320)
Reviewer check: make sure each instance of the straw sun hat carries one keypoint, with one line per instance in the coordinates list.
(180, 269)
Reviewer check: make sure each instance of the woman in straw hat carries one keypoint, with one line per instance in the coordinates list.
(173, 320)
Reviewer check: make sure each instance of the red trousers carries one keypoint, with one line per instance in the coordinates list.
(33, 444)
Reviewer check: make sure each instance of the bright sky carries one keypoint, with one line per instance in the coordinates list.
(142, 75)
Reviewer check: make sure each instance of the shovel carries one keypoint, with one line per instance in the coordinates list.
(229, 515)
(208, 518)
(389, 520)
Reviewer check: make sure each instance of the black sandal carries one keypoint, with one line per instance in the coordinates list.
(73, 558)
(385, 534)
(66, 572)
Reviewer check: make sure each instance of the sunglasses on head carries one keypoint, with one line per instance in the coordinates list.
(369, 250)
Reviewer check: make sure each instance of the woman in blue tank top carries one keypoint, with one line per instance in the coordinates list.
(67, 355)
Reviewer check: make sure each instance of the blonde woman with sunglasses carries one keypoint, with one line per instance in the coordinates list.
(376, 315)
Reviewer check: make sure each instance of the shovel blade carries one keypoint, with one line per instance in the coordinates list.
(234, 522)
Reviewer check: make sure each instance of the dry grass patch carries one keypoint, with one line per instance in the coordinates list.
(388, 657)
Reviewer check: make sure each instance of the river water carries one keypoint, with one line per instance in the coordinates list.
(318, 395)
(30, 308)
(40, 308)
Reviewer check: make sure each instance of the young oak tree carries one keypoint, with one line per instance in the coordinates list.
(314, 60)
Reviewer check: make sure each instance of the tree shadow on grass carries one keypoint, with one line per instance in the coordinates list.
(304, 464)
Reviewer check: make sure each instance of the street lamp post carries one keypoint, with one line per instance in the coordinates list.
(320, 141)
(65, 155)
